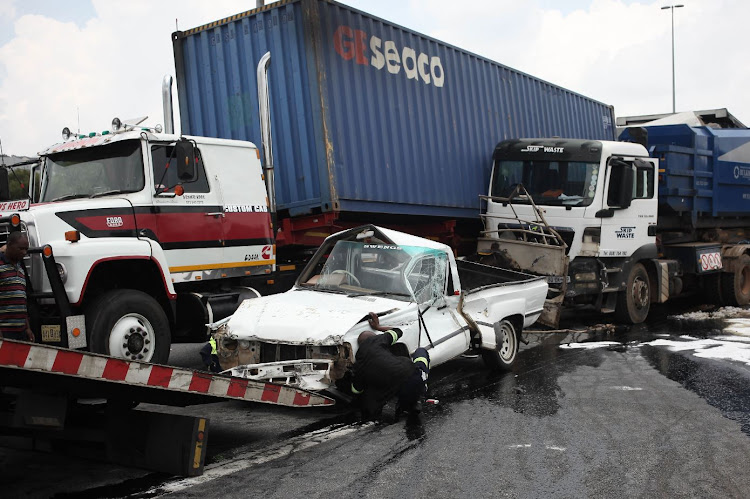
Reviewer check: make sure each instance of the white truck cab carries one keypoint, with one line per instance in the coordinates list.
(153, 235)
(583, 213)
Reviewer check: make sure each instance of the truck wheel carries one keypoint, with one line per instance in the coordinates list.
(634, 302)
(129, 324)
(735, 286)
(505, 354)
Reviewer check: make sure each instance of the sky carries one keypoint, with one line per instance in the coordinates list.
(87, 61)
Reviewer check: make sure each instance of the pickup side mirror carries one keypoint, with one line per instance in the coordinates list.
(621, 176)
(185, 156)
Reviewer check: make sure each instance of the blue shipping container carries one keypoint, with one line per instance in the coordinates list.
(706, 171)
(368, 116)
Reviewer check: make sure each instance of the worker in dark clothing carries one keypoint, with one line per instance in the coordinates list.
(210, 356)
(379, 374)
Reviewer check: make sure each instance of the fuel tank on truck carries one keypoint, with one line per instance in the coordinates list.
(367, 116)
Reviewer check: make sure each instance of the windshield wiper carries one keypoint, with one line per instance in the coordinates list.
(106, 193)
(379, 293)
(70, 196)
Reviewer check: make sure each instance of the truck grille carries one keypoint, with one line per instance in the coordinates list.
(273, 352)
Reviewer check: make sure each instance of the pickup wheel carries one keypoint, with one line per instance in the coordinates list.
(634, 302)
(735, 286)
(503, 357)
(129, 324)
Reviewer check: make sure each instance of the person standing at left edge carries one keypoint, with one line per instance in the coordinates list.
(14, 319)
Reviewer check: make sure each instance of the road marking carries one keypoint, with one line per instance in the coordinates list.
(244, 461)
(554, 447)
(627, 388)
(519, 446)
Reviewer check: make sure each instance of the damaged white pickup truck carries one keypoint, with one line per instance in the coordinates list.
(307, 337)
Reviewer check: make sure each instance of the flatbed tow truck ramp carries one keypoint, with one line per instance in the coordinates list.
(41, 386)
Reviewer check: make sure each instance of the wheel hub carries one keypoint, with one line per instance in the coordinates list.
(132, 337)
(640, 293)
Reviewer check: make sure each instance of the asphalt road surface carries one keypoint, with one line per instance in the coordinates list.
(648, 412)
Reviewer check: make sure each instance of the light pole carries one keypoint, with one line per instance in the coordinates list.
(672, 8)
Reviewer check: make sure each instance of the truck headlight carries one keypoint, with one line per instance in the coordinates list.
(585, 277)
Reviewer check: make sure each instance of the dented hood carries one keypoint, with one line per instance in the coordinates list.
(304, 316)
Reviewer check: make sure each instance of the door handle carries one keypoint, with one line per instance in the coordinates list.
(215, 214)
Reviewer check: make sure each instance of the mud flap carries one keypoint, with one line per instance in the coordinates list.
(170, 443)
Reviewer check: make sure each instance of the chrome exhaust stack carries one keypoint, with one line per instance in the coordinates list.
(166, 99)
(264, 112)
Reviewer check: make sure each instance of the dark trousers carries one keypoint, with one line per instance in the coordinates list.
(415, 387)
(15, 335)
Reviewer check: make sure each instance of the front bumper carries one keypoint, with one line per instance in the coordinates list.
(307, 374)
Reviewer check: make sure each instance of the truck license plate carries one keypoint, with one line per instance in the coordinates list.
(710, 261)
(50, 333)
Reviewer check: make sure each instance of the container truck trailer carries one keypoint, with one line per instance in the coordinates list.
(621, 225)
(372, 122)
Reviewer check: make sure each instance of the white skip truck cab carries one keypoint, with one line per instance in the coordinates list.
(616, 226)
(146, 238)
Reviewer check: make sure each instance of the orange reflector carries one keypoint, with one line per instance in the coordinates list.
(73, 236)
(270, 282)
(15, 219)
(268, 271)
(47, 251)
(257, 153)
(197, 278)
(76, 332)
(247, 272)
(179, 190)
(223, 275)
(200, 436)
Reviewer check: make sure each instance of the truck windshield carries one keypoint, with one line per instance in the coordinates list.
(113, 168)
(401, 272)
(569, 183)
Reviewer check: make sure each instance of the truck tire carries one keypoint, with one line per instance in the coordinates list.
(735, 286)
(128, 324)
(634, 301)
(503, 357)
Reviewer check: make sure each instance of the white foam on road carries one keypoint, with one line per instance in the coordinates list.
(733, 345)
(590, 345)
(244, 461)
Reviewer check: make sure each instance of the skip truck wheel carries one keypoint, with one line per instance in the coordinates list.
(502, 358)
(634, 301)
(735, 286)
(130, 325)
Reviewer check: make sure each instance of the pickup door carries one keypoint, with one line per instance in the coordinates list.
(443, 332)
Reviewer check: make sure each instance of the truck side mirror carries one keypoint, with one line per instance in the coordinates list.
(185, 156)
(621, 176)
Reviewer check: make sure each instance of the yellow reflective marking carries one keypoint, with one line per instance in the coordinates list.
(422, 359)
(199, 444)
(394, 335)
(191, 268)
